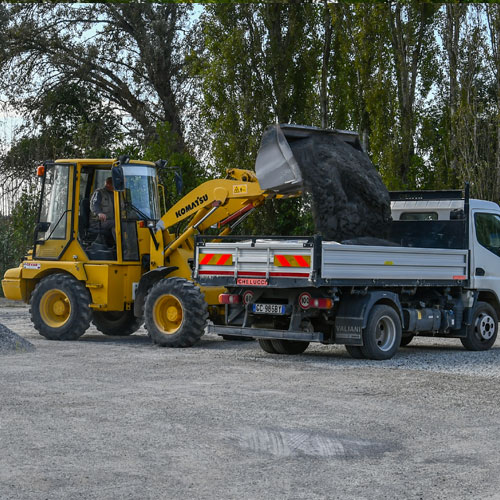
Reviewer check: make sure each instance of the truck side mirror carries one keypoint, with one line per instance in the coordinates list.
(118, 178)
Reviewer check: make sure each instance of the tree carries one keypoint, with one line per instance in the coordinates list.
(411, 28)
(129, 54)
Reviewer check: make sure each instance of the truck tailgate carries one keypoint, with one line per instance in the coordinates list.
(356, 262)
(267, 260)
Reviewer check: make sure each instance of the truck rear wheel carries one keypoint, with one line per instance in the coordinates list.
(175, 313)
(289, 346)
(267, 346)
(382, 335)
(483, 330)
(116, 323)
(59, 307)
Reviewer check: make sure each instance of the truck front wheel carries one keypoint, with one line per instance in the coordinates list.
(482, 332)
(59, 307)
(175, 313)
(382, 335)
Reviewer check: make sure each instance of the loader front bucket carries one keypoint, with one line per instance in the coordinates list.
(276, 168)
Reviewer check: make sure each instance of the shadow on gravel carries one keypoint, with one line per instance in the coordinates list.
(104, 339)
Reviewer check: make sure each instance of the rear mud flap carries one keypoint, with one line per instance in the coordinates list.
(349, 331)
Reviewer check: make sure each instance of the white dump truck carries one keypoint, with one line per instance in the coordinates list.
(435, 273)
(438, 276)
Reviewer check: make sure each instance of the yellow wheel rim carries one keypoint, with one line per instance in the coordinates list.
(55, 308)
(168, 314)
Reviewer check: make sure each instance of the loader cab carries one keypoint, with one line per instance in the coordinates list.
(67, 229)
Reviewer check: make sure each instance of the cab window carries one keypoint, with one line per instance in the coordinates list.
(488, 231)
(419, 216)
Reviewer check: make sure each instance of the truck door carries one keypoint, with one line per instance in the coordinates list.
(485, 263)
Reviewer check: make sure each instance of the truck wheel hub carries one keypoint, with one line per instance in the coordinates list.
(485, 326)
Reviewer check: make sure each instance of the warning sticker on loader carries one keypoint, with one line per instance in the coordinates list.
(32, 265)
(240, 189)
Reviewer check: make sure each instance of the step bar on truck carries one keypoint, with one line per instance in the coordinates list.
(262, 333)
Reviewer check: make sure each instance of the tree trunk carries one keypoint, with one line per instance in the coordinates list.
(325, 65)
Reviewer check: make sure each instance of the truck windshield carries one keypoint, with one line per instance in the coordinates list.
(141, 189)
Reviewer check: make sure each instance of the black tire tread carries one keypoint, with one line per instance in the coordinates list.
(369, 349)
(470, 342)
(80, 322)
(267, 346)
(291, 347)
(194, 303)
(126, 325)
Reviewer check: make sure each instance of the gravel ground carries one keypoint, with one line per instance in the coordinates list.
(119, 418)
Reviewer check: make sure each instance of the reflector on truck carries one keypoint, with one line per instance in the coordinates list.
(292, 260)
(216, 259)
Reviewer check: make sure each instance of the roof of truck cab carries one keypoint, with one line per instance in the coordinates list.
(483, 205)
(102, 161)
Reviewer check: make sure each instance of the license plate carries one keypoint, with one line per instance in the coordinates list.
(268, 308)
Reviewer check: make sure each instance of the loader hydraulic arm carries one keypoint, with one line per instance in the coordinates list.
(219, 201)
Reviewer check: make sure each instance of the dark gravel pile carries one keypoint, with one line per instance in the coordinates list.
(349, 198)
(11, 342)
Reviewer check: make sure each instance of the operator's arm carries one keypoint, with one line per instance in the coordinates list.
(96, 205)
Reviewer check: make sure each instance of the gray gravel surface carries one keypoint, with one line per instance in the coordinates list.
(119, 418)
(12, 342)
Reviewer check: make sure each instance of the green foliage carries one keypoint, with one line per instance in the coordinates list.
(164, 147)
(16, 232)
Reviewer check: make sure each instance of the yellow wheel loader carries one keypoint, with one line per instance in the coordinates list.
(139, 267)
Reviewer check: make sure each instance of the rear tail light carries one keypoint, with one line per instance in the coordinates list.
(227, 298)
(322, 303)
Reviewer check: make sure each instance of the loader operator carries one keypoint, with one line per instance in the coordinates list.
(102, 205)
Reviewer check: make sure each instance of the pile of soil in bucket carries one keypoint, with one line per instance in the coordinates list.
(349, 199)
(11, 342)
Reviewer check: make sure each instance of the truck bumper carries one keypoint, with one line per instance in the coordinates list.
(13, 285)
(261, 333)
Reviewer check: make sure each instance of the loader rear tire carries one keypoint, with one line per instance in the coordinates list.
(175, 313)
(116, 323)
(59, 307)
(289, 346)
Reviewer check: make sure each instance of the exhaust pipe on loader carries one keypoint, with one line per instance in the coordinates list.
(276, 167)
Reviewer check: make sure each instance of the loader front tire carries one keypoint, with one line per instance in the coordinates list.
(116, 323)
(59, 307)
(175, 313)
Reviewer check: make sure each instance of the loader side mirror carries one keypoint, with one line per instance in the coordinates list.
(118, 178)
(42, 227)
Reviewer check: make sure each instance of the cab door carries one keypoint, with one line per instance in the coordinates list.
(56, 214)
(485, 259)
